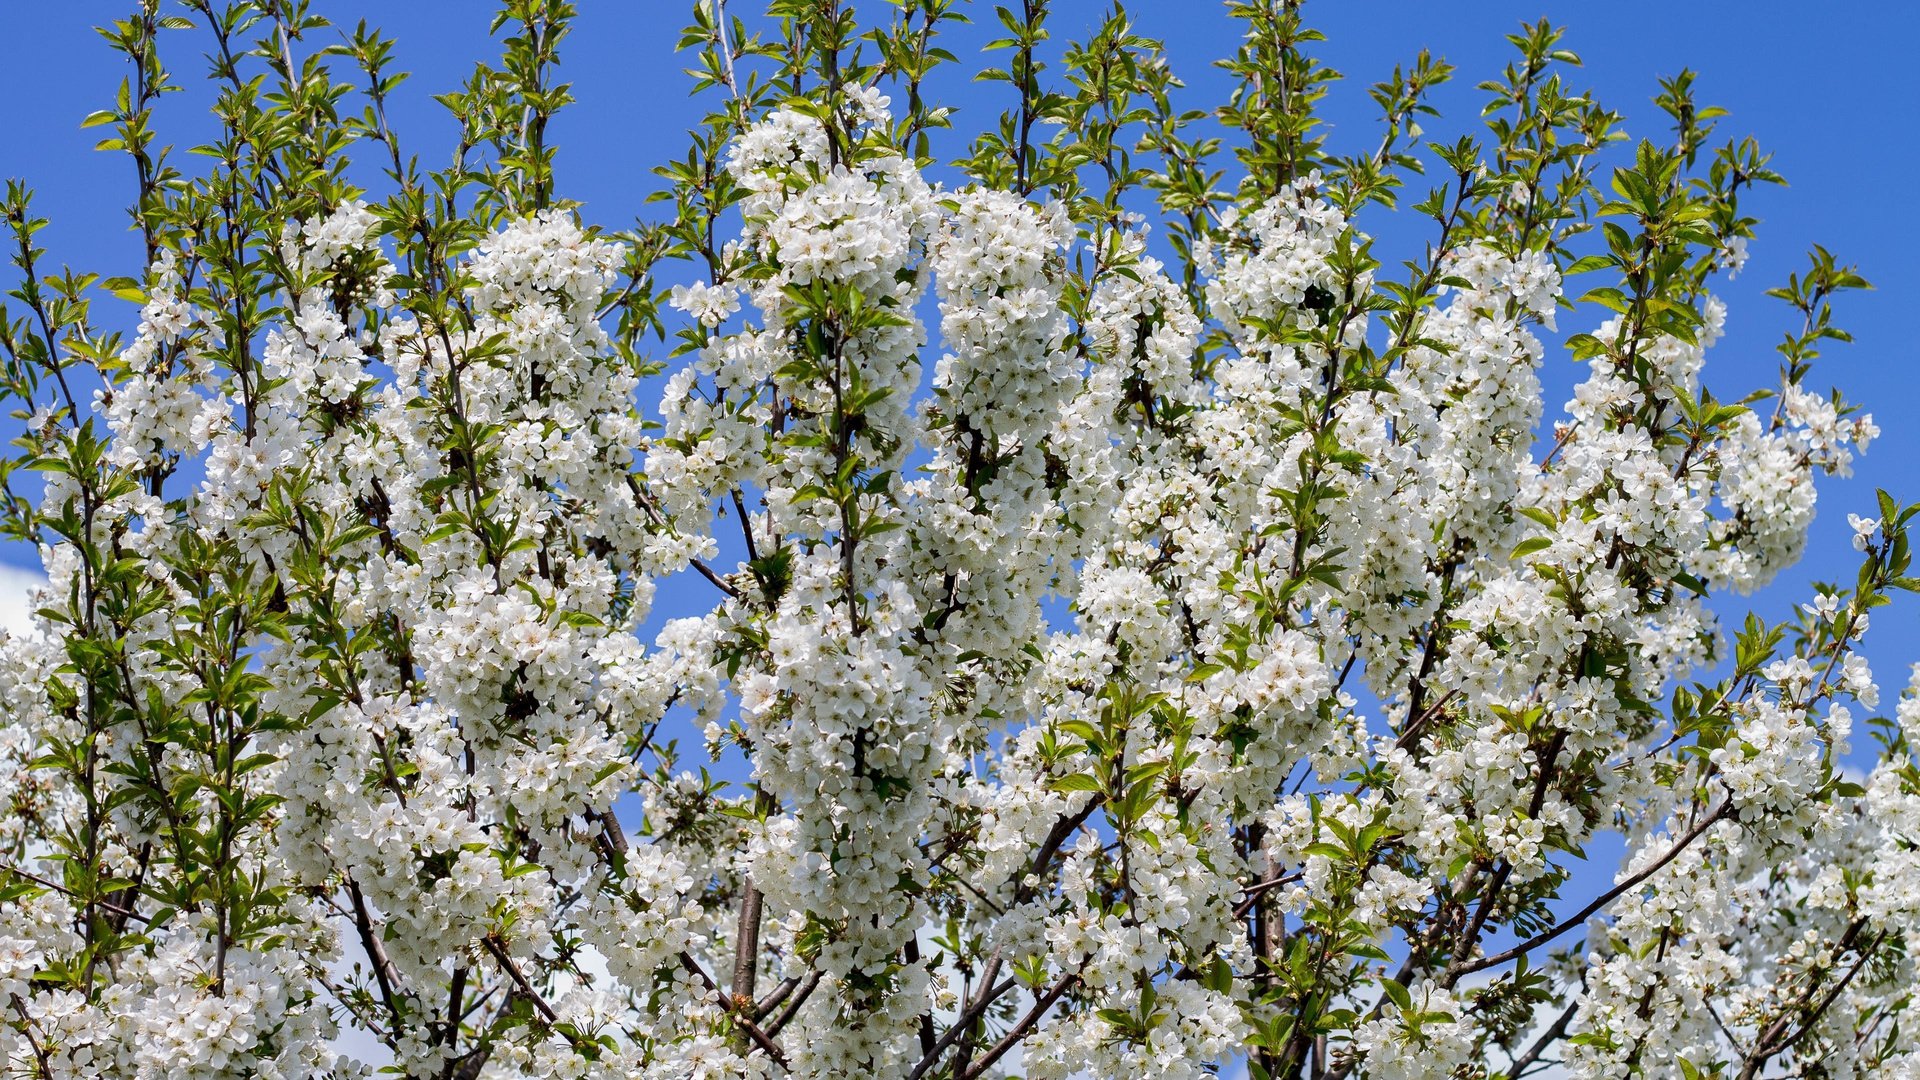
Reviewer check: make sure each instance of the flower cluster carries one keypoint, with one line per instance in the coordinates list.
(1080, 651)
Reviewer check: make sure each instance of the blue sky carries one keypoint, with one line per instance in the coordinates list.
(1828, 93)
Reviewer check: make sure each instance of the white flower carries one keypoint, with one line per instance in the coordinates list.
(1863, 530)
(710, 305)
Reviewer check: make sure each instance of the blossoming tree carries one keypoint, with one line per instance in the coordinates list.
(1117, 655)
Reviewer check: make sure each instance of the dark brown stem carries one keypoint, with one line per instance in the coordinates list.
(383, 970)
(1608, 897)
(741, 1019)
(787, 1014)
(989, 993)
(1775, 1040)
(1547, 1038)
(746, 945)
(527, 991)
(1019, 1030)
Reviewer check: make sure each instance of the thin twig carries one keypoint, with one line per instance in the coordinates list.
(745, 1022)
(1019, 1030)
(1547, 1038)
(1608, 897)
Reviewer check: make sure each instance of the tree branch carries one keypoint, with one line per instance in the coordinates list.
(1457, 970)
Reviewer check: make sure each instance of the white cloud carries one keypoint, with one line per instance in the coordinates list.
(16, 589)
